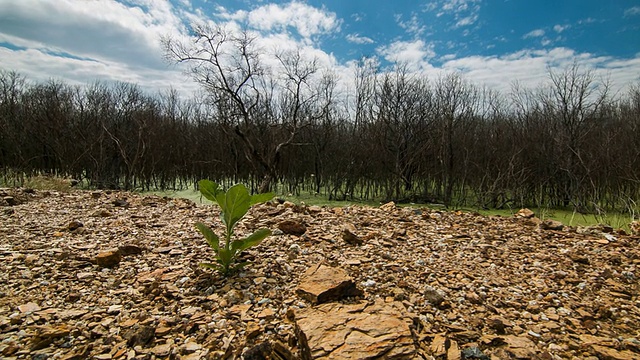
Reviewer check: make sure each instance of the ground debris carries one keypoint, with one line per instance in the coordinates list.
(444, 284)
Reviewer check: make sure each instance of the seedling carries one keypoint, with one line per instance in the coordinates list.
(234, 204)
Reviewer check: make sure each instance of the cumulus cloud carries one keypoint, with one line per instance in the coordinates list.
(414, 53)
(531, 67)
(306, 19)
(84, 41)
(93, 29)
(357, 39)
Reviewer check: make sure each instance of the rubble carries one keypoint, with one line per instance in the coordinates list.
(443, 285)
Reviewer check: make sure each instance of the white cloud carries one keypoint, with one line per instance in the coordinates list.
(415, 54)
(357, 17)
(412, 26)
(632, 11)
(307, 20)
(560, 28)
(466, 21)
(464, 12)
(38, 65)
(101, 30)
(530, 68)
(533, 33)
(357, 39)
(108, 40)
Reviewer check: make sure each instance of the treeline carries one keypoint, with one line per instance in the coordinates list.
(395, 136)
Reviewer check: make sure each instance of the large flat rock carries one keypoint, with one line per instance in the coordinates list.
(355, 331)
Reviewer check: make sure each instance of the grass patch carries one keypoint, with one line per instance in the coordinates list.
(567, 217)
(38, 182)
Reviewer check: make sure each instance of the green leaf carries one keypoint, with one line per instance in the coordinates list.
(236, 205)
(225, 257)
(251, 240)
(212, 238)
(260, 198)
(209, 189)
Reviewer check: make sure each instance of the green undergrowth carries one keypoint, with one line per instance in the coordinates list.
(567, 217)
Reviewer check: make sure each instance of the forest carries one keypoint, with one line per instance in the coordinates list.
(288, 125)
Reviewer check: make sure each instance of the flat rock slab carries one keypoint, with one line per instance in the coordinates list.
(322, 283)
(355, 331)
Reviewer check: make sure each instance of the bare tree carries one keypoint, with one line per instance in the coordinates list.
(228, 66)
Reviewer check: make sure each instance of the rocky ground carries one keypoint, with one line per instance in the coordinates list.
(110, 275)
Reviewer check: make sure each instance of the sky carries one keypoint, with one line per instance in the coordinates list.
(490, 42)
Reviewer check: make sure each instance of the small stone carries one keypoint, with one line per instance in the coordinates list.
(266, 313)
(84, 275)
(390, 206)
(75, 224)
(130, 249)
(434, 296)
(189, 311)
(292, 227)
(534, 334)
(550, 224)
(31, 259)
(28, 307)
(138, 335)
(293, 251)
(162, 350)
(368, 283)
(108, 258)
(252, 330)
(11, 201)
(474, 352)
(114, 309)
(634, 226)
(120, 203)
(162, 330)
(191, 347)
(525, 214)
(74, 296)
(349, 235)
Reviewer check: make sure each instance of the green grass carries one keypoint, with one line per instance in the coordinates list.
(567, 217)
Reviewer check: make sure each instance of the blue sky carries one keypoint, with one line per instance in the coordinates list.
(491, 42)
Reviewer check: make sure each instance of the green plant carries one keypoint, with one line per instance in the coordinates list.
(234, 204)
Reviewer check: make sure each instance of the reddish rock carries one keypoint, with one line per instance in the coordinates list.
(292, 227)
(322, 283)
(108, 258)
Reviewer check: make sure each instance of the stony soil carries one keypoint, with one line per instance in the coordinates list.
(115, 275)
